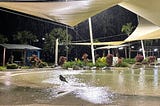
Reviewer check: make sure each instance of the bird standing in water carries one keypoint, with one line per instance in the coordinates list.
(62, 78)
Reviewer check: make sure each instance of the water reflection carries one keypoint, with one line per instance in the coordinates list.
(115, 87)
(7, 80)
(96, 95)
(141, 79)
(155, 81)
(85, 91)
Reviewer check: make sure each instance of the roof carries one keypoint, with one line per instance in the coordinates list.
(19, 47)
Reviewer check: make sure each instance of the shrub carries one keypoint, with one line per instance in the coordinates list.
(129, 61)
(2, 68)
(101, 59)
(122, 64)
(35, 61)
(151, 59)
(62, 60)
(85, 57)
(145, 61)
(139, 58)
(90, 64)
(109, 59)
(12, 66)
(100, 64)
(42, 65)
(79, 63)
(67, 65)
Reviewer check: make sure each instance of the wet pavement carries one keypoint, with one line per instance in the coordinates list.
(122, 87)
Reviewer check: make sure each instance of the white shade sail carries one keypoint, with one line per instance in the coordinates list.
(111, 47)
(100, 43)
(148, 9)
(145, 30)
(70, 13)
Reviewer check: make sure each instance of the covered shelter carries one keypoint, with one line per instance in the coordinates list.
(27, 51)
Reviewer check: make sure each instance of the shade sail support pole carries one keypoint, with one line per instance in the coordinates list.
(91, 39)
(143, 51)
(56, 52)
(4, 56)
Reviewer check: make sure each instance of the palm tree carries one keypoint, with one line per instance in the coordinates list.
(127, 29)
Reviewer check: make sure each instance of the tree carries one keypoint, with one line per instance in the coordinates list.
(3, 39)
(24, 37)
(127, 29)
(61, 35)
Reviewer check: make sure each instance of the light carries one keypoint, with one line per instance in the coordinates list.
(43, 38)
(140, 49)
(155, 50)
(132, 47)
(121, 48)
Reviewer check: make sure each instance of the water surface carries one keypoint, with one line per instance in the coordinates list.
(121, 87)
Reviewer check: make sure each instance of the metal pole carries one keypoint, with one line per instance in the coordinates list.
(91, 39)
(4, 55)
(67, 42)
(109, 52)
(143, 51)
(56, 52)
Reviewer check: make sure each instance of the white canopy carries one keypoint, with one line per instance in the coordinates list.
(100, 43)
(70, 13)
(74, 12)
(148, 9)
(111, 47)
(145, 30)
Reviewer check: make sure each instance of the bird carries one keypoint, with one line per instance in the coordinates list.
(63, 78)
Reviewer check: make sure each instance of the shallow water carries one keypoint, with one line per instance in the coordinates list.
(123, 87)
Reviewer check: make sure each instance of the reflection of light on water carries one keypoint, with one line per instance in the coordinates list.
(155, 82)
(97, 95)
(59, 91)
(7, 79)
(121, 78)
(141, 79)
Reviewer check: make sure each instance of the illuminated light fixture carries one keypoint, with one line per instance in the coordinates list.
(155, 50)
(132, 47)
(121, 48)
(140, 49)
